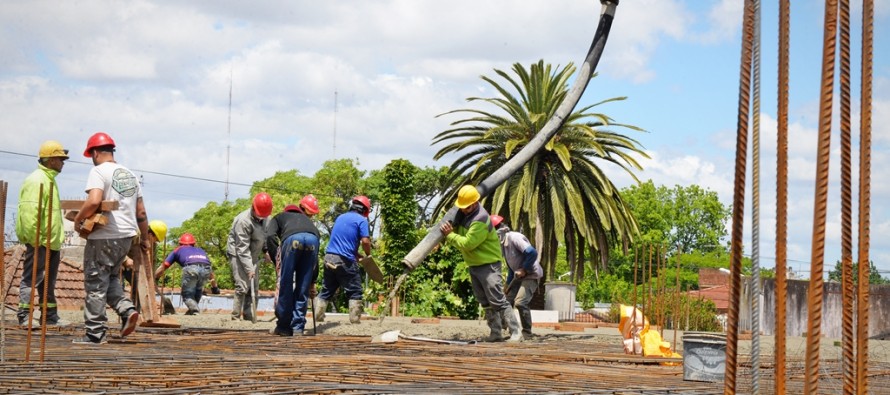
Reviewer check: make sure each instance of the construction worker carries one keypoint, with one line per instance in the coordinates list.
(473, 234)
(157, 232)
(340, 259)
(244, 250)
(50, 159)
(523, 271)
(196, 271)
(107, 245)
(293, 231)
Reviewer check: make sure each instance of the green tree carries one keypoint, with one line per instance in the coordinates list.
(874, 277)
(562, 192)
(689, 218)
(335, 184)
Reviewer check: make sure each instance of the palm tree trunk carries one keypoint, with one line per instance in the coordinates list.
(607, 14)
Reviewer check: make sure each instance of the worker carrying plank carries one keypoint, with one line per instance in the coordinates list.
(107, 245)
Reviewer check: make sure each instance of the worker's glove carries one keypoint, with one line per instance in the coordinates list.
(214, 290)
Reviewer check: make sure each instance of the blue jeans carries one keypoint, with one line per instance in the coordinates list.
(299, 257)
(346, 275)
(193, 279)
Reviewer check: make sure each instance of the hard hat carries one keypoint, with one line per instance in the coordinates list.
(187, 239)
(97, 140)
(52, 149)
(310, 204)
(496, 220)
(292, 208)
(262, 204)
(364, 201)
(159, 228)
(466, 196)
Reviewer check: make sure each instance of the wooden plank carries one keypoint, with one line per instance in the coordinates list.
(106, 205)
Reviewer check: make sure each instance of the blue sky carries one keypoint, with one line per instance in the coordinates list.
(155, 76)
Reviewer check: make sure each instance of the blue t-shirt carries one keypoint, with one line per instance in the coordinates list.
(349, 229)
(187, 255)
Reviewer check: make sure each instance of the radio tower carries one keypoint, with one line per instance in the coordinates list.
(335, 124)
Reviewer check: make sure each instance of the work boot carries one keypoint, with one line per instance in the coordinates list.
(192, 307)
(321, 306)
(494, 324)
(356, 307)
(237, 301)
(513, 324)
(525, 318)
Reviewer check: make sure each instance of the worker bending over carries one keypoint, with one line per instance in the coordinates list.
(196, 270)
(523, 271)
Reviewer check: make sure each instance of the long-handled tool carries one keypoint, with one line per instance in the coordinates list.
(253, 298)
(312, 306)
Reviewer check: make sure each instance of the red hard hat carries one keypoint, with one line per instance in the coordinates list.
(262, 204)
(364, 201)
(292, 207)
(186, 239)
(496, 220)
(97, 140)
(310, 204)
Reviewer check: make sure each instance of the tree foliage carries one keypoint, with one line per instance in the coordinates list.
(688, 218)
(561, 193)
(874, 276)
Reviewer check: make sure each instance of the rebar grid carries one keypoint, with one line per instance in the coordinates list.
(738, 201)
(782, 195)
(868, 14)
(192, 361)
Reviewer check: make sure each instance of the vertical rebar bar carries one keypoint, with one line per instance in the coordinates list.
(675, 317)
(816, 289)
(848, 294)
(46, 274)
(634, 315)
(755, 208)
(3, 190)
(738, 202)
(782, 194)
(34, 274)
(868, 14)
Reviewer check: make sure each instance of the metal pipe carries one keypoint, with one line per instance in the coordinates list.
(434, 235)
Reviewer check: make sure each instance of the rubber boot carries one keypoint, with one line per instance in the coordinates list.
(356, 307)
(525, 318)
(237, 301)
(192, 307)
(494, 321)
(321, 306)
(513, 324)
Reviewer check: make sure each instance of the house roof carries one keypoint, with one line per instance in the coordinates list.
(719, 295)
(69, 282)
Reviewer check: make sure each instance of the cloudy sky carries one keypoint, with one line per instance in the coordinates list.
(312, 81)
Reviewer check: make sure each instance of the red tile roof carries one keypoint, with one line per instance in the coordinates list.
(719, 295)
(69, 283)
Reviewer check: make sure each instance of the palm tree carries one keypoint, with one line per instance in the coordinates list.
(561, 194)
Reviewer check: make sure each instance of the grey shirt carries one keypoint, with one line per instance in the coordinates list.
(246, 240)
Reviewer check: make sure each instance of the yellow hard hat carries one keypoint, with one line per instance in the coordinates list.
(466, 196)
(159, 228)
(52, 149)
